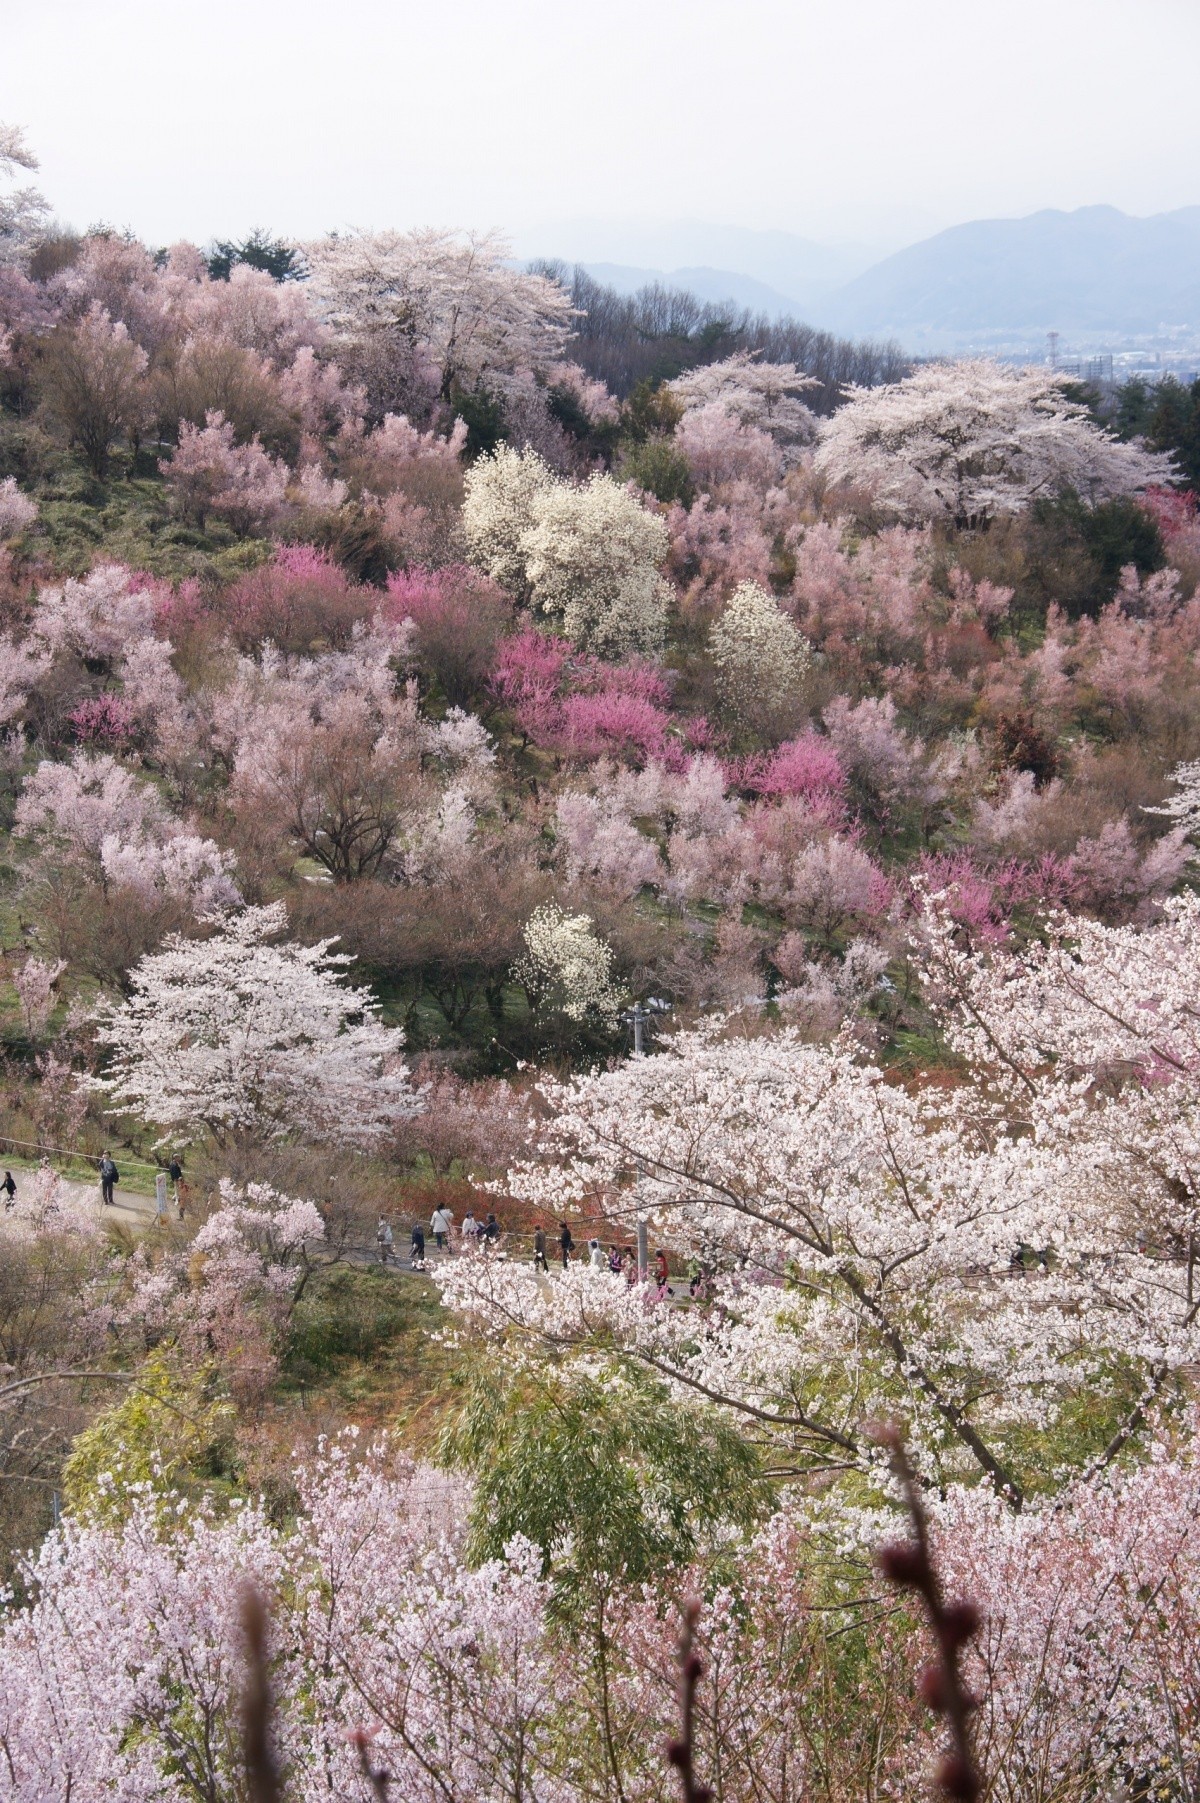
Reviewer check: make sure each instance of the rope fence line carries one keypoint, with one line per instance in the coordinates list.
(89, 1158)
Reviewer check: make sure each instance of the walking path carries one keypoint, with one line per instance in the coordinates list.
(129, 1207)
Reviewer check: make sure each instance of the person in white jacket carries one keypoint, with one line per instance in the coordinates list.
(440, 1224)
(596, 1256)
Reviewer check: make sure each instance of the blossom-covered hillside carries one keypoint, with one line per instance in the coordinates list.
(448, 762)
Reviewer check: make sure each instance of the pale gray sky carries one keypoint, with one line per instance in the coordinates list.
(879, 120)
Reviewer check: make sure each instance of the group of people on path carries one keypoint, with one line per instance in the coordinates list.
(620, 1260)
(484, 1236)
(110, 1176)
(474, 1234)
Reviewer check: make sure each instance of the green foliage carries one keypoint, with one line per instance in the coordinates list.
(651, 411)
(345, 1313)
(482, 414)
(657, 466)
(1167, 415)
(613, 1477)
(258, 251)
(173, 1432)
(594, 436)
(1077, 553)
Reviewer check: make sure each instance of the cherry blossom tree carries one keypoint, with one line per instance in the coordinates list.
(35, 984)
(208, 472)
(967, 441)
(868, 1233)
(95, 818)
(17, 511)
(237, 1036)
(766, 397)
(23, 211)
(425, 313)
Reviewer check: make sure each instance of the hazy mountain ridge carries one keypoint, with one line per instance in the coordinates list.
(1096, 275)
(1093, 272)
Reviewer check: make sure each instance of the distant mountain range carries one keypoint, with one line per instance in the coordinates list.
(1100, 277)
(1095, 275)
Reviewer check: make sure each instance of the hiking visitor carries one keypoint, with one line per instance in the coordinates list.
(416, 1254)
(440, 1226)
(109, 1175)
(160, 1197)
(596, 1256)
(539, 1249)
(10, 1190)
(491, 1233)
(470, 1230)
(385, 1240)
(565, 1243)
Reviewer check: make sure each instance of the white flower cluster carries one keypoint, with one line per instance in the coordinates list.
(567, 968)
(585, 557)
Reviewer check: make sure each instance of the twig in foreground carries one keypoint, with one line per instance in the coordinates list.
(681, 1753)
(909, 1564)
(376, 1777)
(262, 1774)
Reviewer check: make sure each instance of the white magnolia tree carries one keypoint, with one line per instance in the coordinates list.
(566, 967)
(235, 1036)
(970, 440)
(975, 1258)
(760, 657)
(586, 557)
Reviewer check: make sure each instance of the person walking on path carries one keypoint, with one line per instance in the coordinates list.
(440, 1226)
(566, 1244)
(385, 1240)
(160, 1198)
(10, 1190)
(596, 1256)
(539, 1249)
(175, 1173)
(470, 1230)
(491, 1233)
(662, 1275)
(614, 1260)
(109, 1175)
(416, 1256)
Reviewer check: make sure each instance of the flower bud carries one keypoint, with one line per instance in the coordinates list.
(901, 1561)
(957, 1779)
(959, 1622)
(931, 1686)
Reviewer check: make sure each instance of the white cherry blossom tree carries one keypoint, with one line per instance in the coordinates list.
(967, 441)
(240, 1037)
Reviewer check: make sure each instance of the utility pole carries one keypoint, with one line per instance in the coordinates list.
(639, 1017)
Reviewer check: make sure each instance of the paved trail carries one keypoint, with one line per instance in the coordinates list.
(131, 1209)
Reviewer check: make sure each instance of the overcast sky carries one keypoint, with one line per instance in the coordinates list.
(872, 120)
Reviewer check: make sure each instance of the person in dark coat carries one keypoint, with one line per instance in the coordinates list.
(539, 1249)
(566, 1243)
(417, 1249)
(109, 1175)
